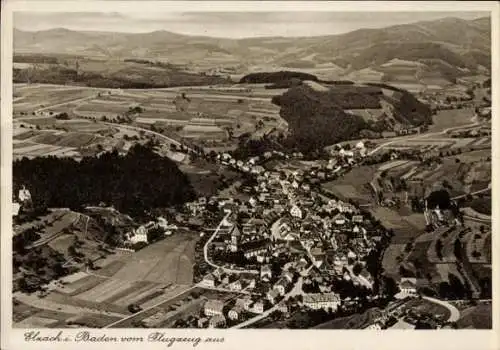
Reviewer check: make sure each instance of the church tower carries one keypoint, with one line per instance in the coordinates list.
(235, 238)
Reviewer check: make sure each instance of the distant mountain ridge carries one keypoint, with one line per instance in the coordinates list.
(463, 45)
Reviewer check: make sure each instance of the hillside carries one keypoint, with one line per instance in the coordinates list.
(133, 183)
(319, 115)
(92, 72)
(461, 47)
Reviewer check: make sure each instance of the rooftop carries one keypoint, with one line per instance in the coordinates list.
(321, 297)
(214, 304)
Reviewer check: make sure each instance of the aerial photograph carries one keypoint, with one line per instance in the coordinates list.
(277, 170)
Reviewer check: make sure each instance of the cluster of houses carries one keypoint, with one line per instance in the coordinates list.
(219, 313)
(233, 282)
(329, 236)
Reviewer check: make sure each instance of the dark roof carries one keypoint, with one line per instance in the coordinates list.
(261, 243)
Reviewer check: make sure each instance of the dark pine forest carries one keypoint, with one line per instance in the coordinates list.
(132, 183)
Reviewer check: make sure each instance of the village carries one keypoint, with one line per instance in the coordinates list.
(282, 246)
(288, 246)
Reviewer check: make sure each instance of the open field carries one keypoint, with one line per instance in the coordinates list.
(405, 227)
(147, 277)
(41, 96)
(451, 118)
(70, 143)
(393, 164)
(233, 108)
(91, 306)
(150, 263)
(477, 317)
(446, 270)
(105, 290)
(82, 285)
(59, 221)
(354, 185)
(92, 321)
(474, 156)
(44, 319)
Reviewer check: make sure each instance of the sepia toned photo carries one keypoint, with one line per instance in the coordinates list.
(251, 170)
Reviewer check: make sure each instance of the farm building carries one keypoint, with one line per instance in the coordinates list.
(24, 195)
(408, 286)
(322, 301)
(258, 307)
(217, 321)
(213, 307)
(208, 280)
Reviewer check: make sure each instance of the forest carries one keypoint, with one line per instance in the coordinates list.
(132, 183)
(275, 77)
(316, 120)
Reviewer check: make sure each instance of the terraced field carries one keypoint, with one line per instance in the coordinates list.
(167, 261)
(147, 277)
(40, 96)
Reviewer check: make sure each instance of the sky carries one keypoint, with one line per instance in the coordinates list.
(227, 24)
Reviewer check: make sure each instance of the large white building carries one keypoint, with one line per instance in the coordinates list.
(325, 301)
(15, 208)
(213, 307)
(408, 286)
(24, 195)
(217, 321)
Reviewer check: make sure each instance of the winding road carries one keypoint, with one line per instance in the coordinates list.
(422, 136)
(454, 313)
(205, 250)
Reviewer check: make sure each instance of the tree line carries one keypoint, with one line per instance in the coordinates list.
(132, 183)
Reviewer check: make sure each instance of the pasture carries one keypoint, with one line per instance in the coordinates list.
(474, 156)
(44, 319)
(167, 261)
(451, 118)
(354, 184)
(41, 96)
(41, 143)
(81, 285)
(405, 227)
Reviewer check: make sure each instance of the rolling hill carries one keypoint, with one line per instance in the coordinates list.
(319, 114)
(450, 46)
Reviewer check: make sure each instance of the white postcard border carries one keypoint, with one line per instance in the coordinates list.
(12, 339)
